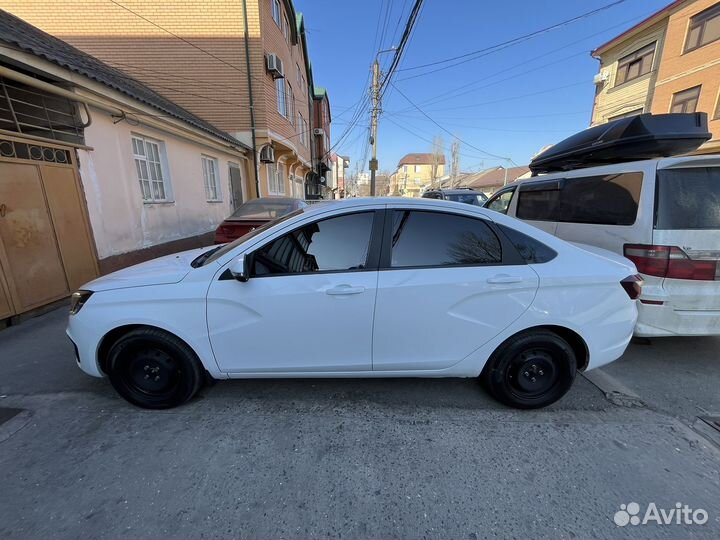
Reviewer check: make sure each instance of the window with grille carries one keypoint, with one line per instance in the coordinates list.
(704, 28)
(636, 64)
(685, 101)
(276, 183)
(211, 178)
(27, 110)
(154, 183)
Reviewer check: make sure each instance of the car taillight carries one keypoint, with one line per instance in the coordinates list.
(632, 286)
(669, 262)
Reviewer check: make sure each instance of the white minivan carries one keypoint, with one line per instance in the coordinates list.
(663, 214)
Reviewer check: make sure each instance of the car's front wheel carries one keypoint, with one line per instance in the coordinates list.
(153, 369)
(531, 370)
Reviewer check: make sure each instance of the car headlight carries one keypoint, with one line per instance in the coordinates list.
(77, 301)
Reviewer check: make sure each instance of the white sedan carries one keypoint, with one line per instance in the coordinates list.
(362, 288)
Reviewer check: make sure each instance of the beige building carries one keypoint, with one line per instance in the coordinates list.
(415, 173)
(240, 65)
(670, 62)
(97, 170)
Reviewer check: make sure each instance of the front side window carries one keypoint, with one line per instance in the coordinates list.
(610, 199)
(281, 98)
(331, 245)
(210, 176)
(149, 168)
(685, 101)
(636, 64)
(431, 239)
(704, 28)
(501, 201)
(688, 199)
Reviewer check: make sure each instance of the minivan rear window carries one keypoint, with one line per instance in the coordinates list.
(610, 199)
(688, 198)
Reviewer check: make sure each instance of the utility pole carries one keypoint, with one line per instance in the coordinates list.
(375, 97)
(455, 163)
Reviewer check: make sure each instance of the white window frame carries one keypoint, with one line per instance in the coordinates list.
(276, 184)
(286, 29)
(302, 129)
(211, 178)
(417, 168)
(290, 104)
(277, 12)
(404, 168)
(281, 98)
(151, 168)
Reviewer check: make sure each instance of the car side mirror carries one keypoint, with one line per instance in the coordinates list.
(240, 268)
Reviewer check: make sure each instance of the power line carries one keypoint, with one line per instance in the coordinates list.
(508, 43)
(447, 130)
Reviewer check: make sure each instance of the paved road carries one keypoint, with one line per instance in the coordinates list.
(350, 459)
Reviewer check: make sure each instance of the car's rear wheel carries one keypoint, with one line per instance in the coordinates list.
(153, 369)
(531, 370)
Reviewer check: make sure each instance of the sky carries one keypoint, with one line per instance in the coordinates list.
(508, 102)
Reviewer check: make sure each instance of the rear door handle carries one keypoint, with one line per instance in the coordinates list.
(345, 289)
(504, 278)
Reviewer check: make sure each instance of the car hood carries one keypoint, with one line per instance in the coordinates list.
(608, 255)
(160, 271)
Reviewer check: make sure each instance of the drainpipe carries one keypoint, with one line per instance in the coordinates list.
(250, 97)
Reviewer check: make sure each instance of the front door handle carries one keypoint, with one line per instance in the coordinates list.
(345, 289)
(504, 278)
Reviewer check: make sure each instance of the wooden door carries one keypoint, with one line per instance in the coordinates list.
(29, 253)
(236, 190)
(71, 229)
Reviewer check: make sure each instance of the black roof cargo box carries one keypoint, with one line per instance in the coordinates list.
(644, 136)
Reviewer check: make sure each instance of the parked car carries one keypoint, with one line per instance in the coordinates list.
(423, 288)
(663, 214)
(463, 195)
(253, 214)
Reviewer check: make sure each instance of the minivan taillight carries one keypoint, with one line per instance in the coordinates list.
(669, 262)
(633, 286)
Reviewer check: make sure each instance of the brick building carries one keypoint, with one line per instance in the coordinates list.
(241, 65)
(670, 62)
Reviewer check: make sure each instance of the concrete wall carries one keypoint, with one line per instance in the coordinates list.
(120, 220)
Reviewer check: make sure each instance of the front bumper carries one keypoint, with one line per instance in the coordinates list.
(86, 345)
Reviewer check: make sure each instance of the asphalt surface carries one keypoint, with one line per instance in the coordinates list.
(399, 458)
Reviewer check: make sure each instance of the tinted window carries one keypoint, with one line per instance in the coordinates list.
(604, 200)
(532, 251)
(501, 202)
(438, 239)
(688, 199)
(467, 198)
(339, 243)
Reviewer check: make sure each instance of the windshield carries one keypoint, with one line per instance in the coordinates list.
(688, 198)
(468, 198)
(263, 209)
(214, 254)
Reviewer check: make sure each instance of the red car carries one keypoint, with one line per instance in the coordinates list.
(253, 214)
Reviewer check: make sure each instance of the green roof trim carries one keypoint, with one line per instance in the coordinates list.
(319, 91)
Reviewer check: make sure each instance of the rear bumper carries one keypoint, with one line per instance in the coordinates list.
(664, 320)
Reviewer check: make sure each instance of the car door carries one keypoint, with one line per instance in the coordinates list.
(448, 283)
(307, 305)
(538, 203)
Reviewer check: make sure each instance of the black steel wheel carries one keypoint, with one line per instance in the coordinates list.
(531, 370)
(153, 369)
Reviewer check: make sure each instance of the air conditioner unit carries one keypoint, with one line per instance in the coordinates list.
(319, 131)
(275, 66)
(602, 77)
(267, 154)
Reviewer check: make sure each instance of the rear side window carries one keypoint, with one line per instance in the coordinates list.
(688, 199)
(532, 251)
(433, 239)
(610, 199)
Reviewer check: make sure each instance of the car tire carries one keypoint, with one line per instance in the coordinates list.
(530, 370)
(153, 369)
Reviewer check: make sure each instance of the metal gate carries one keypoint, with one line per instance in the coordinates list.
(46, 249)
